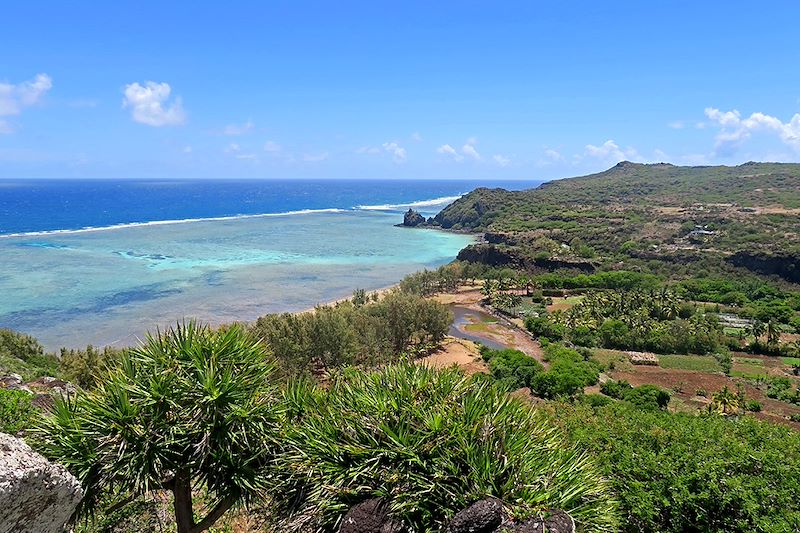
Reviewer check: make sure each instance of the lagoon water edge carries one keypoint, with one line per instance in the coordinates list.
(108, 277)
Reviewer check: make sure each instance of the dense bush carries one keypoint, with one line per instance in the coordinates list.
(16, 411)
(84, 367)
(648, 397)
(347, 334)
(682, 472)
(568, 373)
(430, 442)
(513, 368)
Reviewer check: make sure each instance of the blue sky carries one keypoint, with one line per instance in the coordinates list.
(284, 89)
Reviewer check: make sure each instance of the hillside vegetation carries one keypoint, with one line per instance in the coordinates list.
(744, 216)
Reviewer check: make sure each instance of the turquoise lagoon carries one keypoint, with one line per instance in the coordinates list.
(108, 286)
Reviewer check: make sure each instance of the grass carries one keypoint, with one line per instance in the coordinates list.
(606, 357)
(748, 372)
(696, 363)
(749, 361)
(790, 360)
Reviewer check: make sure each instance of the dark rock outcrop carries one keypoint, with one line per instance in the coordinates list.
(413, 219)
(507, 256)
(370, 516)
(784, 265)
(484, 516)
(556, 522)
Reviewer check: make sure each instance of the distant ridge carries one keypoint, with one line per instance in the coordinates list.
(745, 215)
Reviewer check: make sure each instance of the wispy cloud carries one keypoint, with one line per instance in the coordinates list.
(149, 104)
(398, 152)
(272, 147)
(238, 129)
(315, 158)
(15, 97)
(501, 160)
(468, 150)
(448, 150)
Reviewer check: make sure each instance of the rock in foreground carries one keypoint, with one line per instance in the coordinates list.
(36, 496)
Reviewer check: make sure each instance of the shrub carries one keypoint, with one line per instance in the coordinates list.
(513, 368)
(753, 406)
(648, 397)
(16, 411)
(430, 442)
(677, 472)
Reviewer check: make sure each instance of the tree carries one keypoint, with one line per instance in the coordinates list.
(725, 402)
(758, 328)
(191, 407)
(773, 333)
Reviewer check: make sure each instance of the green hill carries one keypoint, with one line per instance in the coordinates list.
(744, 216)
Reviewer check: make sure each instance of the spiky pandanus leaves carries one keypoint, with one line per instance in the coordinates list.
(189, 405)
(430, 442)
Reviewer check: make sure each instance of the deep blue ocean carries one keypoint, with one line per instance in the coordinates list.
(103, 262)
(34, 205)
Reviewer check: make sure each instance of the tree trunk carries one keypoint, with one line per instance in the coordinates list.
(182, 493)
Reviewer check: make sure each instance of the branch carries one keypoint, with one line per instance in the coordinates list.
(215, 514)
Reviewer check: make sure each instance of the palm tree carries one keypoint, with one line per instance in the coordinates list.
(725, 402)
(773, 333)
(758, 328)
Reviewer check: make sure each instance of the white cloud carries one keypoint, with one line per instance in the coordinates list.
(677, 125)
(610, 151)
(470, 151)
(416, 137)
(238, 129)
(187, 149)
(15, 97)
(397, 151)
(553, 155)
(272, 147)
(734, 129)
(501, 160)
(232, 148)
(148, 104)
(446, 149)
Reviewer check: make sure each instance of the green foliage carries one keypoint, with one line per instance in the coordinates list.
(86, 367)
(513, 368)
(753, 406)
(347, 334)
(16, 411)
(682, 472)
(647, 397)
(22, 354)
(189, 406)
(569, 372)
(431, 442)
(632, 320)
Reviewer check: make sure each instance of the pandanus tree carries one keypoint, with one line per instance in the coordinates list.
(192, 409)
